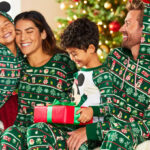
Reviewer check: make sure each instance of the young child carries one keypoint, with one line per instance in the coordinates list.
(92, 84)
(10, 60)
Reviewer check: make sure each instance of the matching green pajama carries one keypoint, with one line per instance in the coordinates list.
(38, 86)
(127, 123)
(96, 89)
(10, 69)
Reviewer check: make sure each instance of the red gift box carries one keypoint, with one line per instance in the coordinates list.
(59, 114)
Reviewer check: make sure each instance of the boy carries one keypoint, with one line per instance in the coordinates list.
(92, 82)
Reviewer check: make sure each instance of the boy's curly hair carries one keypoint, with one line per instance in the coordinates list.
(80, 34)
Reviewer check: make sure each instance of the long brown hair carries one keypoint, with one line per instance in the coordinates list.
(48, 44)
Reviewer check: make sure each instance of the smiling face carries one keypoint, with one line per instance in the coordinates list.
(7, 32)
(28, 37)
(79, 56)
(131, 30)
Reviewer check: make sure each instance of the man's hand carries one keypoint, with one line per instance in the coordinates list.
(86, 114)
(77, 138)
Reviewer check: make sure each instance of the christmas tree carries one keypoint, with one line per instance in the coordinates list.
(107, 14)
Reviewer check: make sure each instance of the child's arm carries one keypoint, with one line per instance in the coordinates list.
(86, 114)
(103, 81)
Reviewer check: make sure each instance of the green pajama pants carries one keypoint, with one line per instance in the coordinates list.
(42, 136)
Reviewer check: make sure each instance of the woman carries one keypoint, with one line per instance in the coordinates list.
(47, 74)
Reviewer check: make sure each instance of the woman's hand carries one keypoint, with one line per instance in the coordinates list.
(86, 114)
(77, 138)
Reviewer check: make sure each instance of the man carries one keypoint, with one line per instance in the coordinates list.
(127, 118)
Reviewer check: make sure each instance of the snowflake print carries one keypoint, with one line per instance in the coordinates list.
(136, 131)
(39, 90)
(53, 92)
(135, 94)
(141, 98)
(33, 89)
(65, 58)
(108, 91)
(126, 144)
(121, 103)
(46, 90)
(121, 140)
(71, 65)
(4, 52)
(57, 57)
(114, 136)
(148, 50)
(129, 91)
(99, 80)
(28, 87)
(114, 79)
(22, 129)
(2, 81)
(23, 87)
(14, 141)
(13, 82)
(63, 95)
(40, 125)
(105, 77)
(8, 82)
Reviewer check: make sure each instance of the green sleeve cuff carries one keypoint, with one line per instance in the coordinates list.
(91, 131)
(96, 111)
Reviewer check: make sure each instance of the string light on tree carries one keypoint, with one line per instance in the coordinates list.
(62, 6)
(107, 5)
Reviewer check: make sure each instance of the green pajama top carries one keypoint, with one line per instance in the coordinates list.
(42, 85)
(10, 69)
(131, 83)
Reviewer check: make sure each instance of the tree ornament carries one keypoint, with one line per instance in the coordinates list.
(76, 0)
(107, 5)
(105, 48)
(146, 1)
(100, 28)
(114, 26)
(122, 14)
(96, 12)
(116, 1)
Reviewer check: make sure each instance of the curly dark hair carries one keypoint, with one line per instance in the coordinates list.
(80, 34)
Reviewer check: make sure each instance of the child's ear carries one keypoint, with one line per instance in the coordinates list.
(43, 35)
(91, 48)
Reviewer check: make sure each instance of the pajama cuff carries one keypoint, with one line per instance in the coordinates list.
(91, 131)
(96, 111)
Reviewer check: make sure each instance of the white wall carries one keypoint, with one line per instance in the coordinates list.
(49, 8)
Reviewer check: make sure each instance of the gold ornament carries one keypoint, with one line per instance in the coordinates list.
(100, 28)
(105, 48)
(107, 5)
